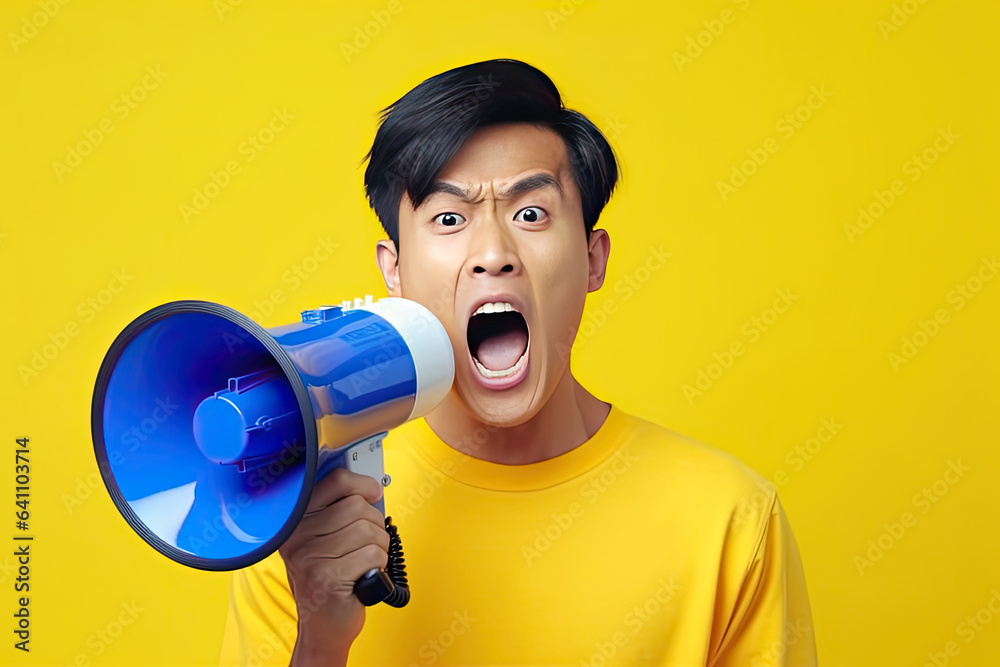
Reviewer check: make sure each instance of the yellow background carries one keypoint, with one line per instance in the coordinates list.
(679, 127)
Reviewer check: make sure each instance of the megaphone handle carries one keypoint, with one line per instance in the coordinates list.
(389, 585)
(363, 457)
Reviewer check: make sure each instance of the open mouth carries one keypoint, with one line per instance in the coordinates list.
(498, 340)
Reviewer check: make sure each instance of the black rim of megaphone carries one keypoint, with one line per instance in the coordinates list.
(305, 406)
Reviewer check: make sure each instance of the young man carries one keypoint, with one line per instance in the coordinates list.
(541, 525)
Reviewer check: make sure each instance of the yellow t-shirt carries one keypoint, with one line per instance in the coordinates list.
(641, 546)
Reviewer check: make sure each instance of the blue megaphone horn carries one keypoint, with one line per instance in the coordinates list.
(210, 431)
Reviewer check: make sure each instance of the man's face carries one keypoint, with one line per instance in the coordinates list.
(481, 244)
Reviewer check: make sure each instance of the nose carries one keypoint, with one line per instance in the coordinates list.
(493, 251)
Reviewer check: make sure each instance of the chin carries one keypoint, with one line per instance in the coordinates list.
(501, 411)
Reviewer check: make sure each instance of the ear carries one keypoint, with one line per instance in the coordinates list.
(388, 264)
(599, 248)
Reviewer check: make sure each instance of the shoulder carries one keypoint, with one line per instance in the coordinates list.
(707, 474)
(697, 456)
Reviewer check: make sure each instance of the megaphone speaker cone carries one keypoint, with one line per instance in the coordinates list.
(191, 400)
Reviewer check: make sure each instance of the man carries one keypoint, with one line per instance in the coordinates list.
(541, 525)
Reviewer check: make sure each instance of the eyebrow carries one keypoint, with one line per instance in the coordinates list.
(528, 184)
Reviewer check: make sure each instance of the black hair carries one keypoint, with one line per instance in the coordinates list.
(420, 132)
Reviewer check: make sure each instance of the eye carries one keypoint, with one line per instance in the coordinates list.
(530, 213)
(449, 219)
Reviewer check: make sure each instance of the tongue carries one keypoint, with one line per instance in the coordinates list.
(501, 351)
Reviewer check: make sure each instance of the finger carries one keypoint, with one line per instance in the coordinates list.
(312, 568)
(339, 515)
(333, 518)
(351, 537)
(350, 567)
(341, 482)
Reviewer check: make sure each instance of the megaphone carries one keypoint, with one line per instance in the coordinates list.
(210, 431)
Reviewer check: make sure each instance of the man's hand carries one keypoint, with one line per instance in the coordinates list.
(340, 538)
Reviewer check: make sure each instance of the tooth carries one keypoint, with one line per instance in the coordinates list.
(507, 307)
(478, 310)
(487, 308)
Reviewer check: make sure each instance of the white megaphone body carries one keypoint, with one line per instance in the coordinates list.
(210, 432)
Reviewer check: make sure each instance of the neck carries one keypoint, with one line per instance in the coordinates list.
(570, 417)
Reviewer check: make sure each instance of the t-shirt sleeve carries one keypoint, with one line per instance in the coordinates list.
(771, 622)
(261, 620)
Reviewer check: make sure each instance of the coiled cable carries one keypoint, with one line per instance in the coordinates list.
(389, 585)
